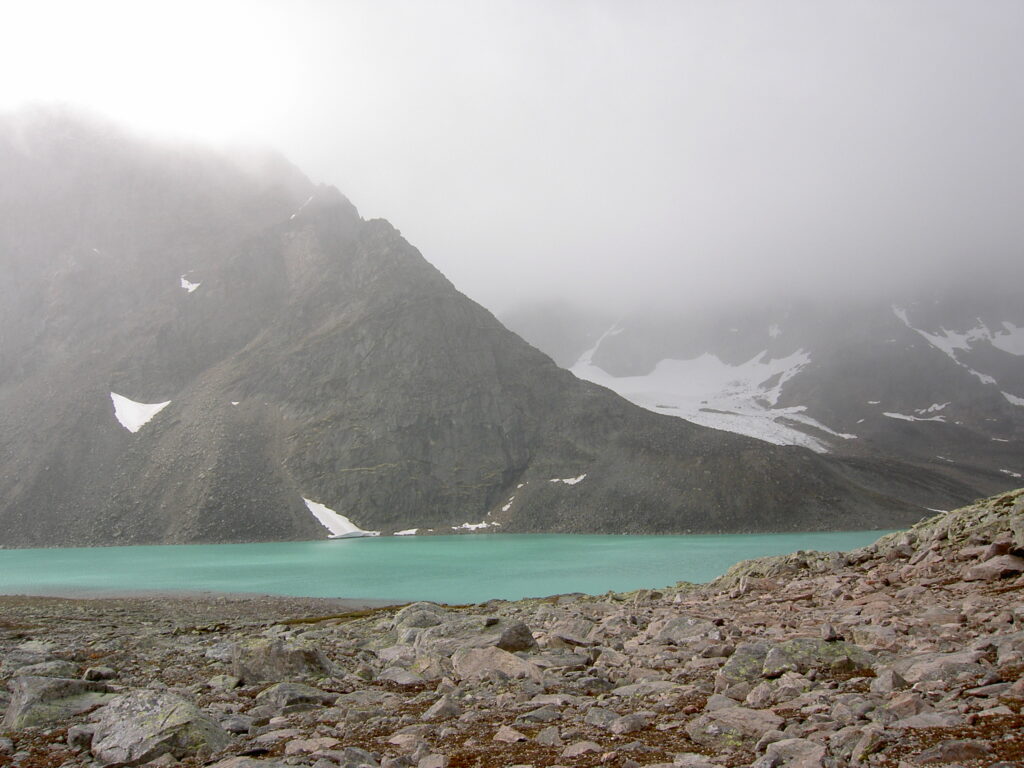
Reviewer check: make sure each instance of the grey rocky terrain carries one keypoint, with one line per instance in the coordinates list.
(906, 652)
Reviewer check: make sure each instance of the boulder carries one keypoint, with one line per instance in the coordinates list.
(956, 751)
(41, 700)
(142, 725)
(938, 666)
(995, 568)
(682, 629)
(293, 694)
(516, 637)
(794, 753)
(477, 663)
(53, 668)
(262, 660)
(732, 727)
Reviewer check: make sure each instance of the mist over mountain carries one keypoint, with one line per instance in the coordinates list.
(202, 348)
(927, 375)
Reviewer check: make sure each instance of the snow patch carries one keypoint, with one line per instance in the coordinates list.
(187, 285)
(340, 527)
(407, 532)
(707, 391)
(933, 408)
(133, 415)
(1010, 473)
(905, 417)
(874, 402)
(475, 526)
(774, 331)
(1000, 439)
(508, 506)
(1010, 339)
(569, 480)
(1014, 399)
(308, 201)
(235, 402)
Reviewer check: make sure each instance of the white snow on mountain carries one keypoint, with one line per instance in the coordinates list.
(308, 201)
(188, 286)
(133, 415)
(905, 417)
(568, 480)
(475, 526)
(1009, 339)
(707, 391)
(407, 532)
(340, 527)
(1014, 399)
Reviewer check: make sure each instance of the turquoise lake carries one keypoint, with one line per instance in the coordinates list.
(451, 569)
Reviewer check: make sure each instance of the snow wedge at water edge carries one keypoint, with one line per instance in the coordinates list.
(568, 480)
(133, 415)
(407, 532)
(340, 527)
(475, 525)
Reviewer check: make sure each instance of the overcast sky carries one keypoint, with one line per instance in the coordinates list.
(614, 152)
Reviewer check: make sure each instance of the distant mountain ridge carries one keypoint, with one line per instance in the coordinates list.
(196, 348)
(934, 378)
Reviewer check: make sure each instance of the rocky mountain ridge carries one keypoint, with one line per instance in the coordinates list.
(906, 652)
(288, 353)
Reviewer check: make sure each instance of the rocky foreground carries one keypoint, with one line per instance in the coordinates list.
(906, 652)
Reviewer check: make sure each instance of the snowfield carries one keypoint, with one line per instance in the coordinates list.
(712, 393)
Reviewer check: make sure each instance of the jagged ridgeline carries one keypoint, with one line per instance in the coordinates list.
(197, 347)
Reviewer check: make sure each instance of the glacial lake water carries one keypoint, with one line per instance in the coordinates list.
(451, 569)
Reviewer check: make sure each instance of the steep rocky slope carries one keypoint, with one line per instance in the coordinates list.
(906, 652)
(285, 349)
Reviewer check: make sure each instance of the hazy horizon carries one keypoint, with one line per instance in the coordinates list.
(607, 155)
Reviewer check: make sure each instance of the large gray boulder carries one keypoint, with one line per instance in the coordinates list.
(261, 660)
(41, 700)
(732, 727)
(142, 725)
(477, 663)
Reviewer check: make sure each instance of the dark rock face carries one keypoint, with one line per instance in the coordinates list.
(320, 357)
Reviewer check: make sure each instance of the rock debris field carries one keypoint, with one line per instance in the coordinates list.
(907, 652)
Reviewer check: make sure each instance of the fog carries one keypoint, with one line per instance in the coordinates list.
(607, 153)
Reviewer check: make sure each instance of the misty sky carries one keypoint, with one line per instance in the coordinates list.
(616, 152)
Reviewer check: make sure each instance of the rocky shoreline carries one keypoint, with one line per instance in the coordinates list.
(907, 652)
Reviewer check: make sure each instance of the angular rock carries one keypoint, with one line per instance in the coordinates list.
(684, 628)
(444, 708)
(41, 700)
(509, 735)
(794, 753)
(956, 752)
(259, 660)
(476, 663)
(581, 748)
(142, 725)
(516, 637)
(731, 728)
(292, 694)
(996, 568)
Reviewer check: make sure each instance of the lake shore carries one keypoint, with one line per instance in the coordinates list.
(905, 652)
